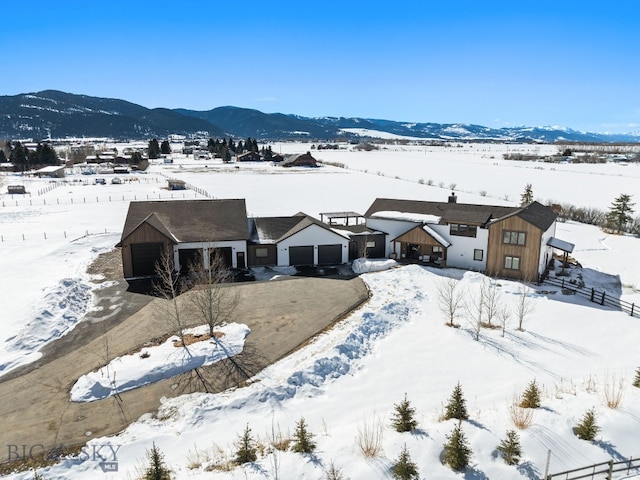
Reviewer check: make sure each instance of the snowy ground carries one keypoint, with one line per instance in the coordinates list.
(397, 343)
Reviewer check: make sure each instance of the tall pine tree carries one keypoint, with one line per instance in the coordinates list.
(620, 212)
(527, 196)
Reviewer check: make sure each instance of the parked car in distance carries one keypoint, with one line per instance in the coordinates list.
(116, 181)
(100, 181)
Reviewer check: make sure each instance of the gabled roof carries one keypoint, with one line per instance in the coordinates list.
(535, 213)
(450, 212)
(428, 231)
(191, 220)
(277, 229)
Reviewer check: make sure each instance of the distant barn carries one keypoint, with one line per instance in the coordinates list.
(300, 160)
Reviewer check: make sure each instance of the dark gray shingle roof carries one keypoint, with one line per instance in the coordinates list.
(191, 220)
(449, 212)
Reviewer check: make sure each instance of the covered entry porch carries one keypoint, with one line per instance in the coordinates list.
(421, 244)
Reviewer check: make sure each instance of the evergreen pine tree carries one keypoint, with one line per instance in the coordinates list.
(620, 212)
(403, 418)
(636, 380)
(153, 150)
(303, 442)
(457, 450)
(456, 408)
(37, 476)
(587, 428)
(246, 448)
(531, 396)
(527, 196)
(156, 469)
(3, 156)
(510, 448)
(403, 468)
(165, 147)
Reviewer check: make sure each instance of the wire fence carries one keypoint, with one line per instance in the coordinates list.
(53, 235)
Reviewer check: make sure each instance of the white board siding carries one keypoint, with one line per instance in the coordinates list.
(312, 235)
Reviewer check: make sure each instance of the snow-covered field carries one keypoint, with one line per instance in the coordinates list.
(353, 375)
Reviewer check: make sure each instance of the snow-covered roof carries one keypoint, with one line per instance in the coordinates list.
(436, 236)
(411, 217)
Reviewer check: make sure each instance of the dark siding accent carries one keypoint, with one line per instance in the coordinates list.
(270, 259)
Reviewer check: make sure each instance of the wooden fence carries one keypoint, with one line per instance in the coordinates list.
(604, 470)
(600, 297)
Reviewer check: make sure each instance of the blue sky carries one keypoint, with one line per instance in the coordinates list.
(493, 63)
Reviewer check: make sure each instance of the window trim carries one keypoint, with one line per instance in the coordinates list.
(509, 261)
(508, 237)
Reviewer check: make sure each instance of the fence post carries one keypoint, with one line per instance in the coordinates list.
(602, 300)
(610, 472)
(546, 468)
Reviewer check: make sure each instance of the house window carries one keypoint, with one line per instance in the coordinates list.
(462, 230)
(512, 263)
(513, 238)
(437, 249)
(371, 244)
(478, 254)
(262, 252)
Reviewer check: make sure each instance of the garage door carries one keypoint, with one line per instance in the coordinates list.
(144, 257)
(329, 254)
(301, 255)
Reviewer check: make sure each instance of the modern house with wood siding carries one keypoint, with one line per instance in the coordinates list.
(512, 242)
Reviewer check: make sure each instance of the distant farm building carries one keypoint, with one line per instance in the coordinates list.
(249, 157)
(299, 160)
(175, 184)
(51, 171)
(16, 190)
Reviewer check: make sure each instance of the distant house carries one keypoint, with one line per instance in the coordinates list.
(51, 171)
(299, 160)
(186, 230)
(277, 158)
(513, 242)
(249, 157)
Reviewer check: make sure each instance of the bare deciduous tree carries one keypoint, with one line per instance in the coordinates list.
(492, 299)
(476, 307)
(524, 305)
(212, 298)
(167, 286)
(450, 299)
(504, 315)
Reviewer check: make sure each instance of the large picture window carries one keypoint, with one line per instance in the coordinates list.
(262, 252)
(513, 238)
(512, 263)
